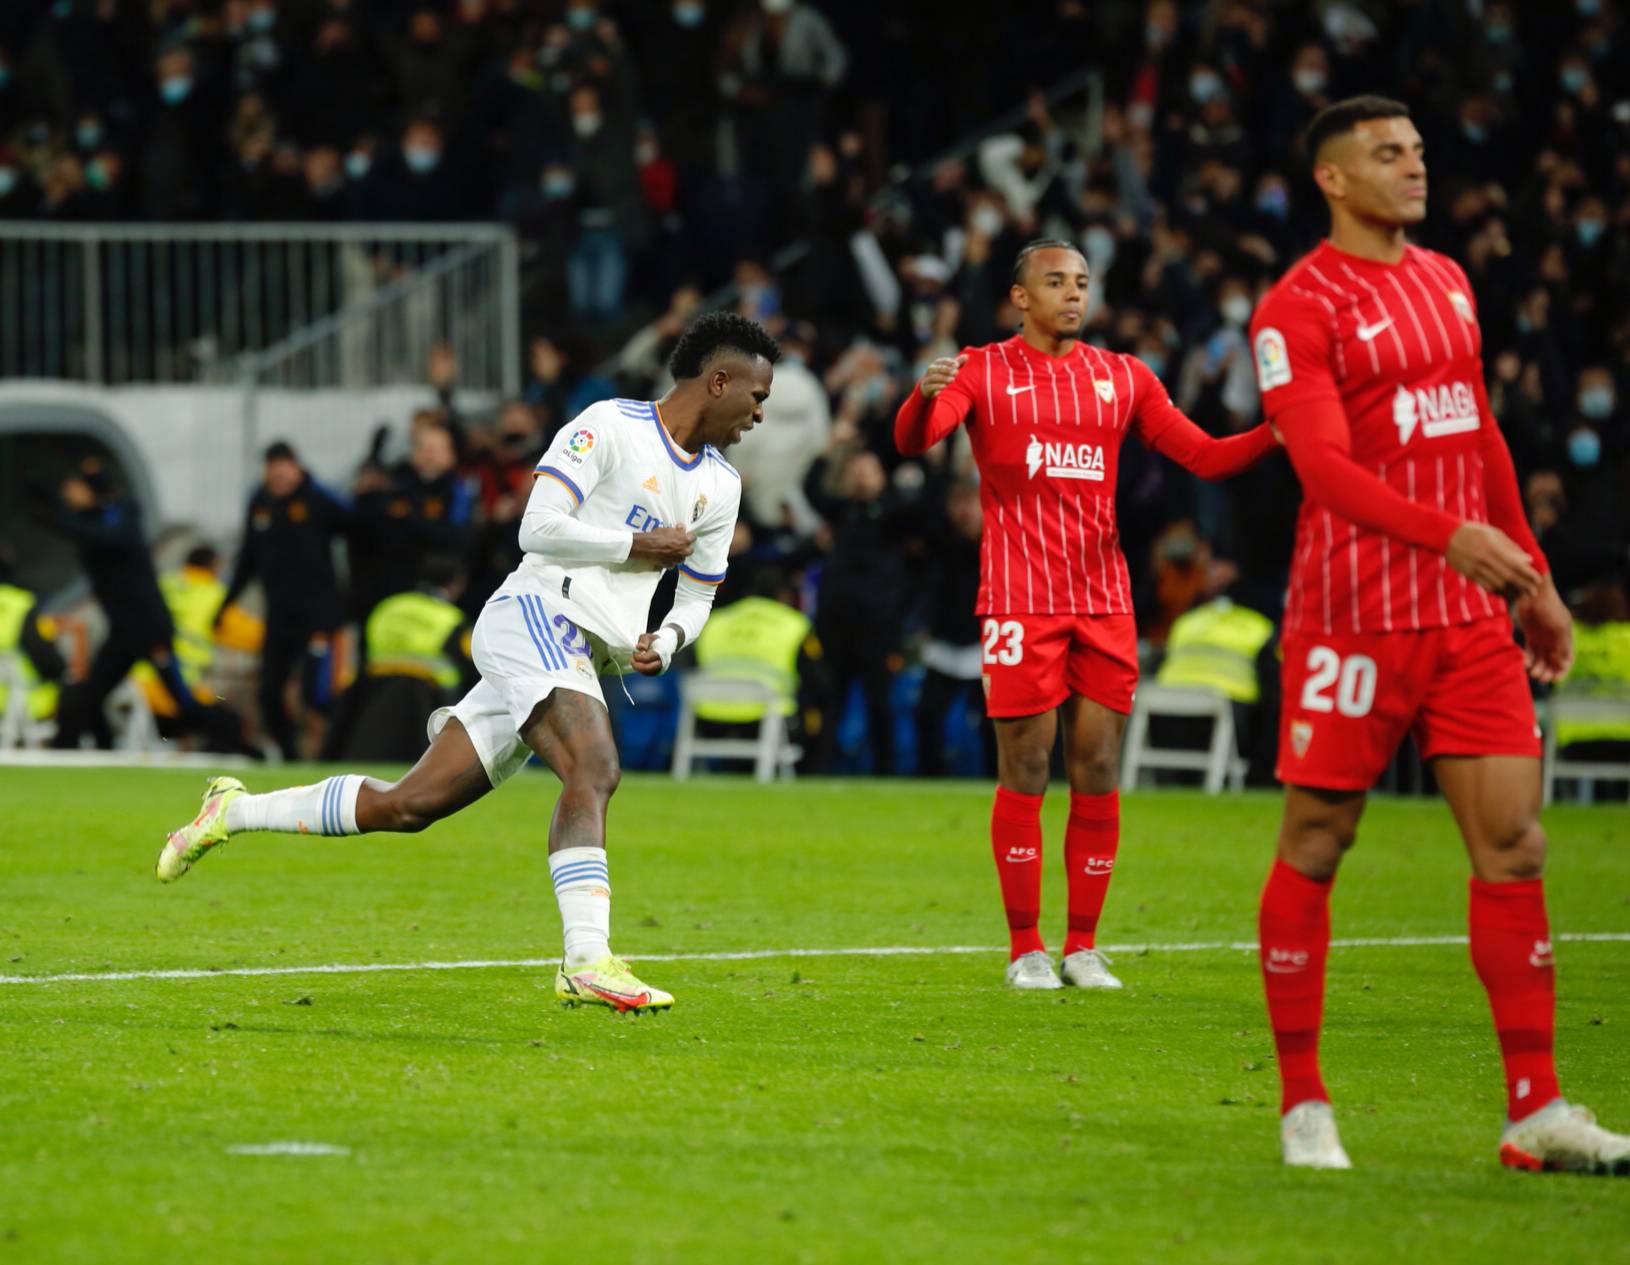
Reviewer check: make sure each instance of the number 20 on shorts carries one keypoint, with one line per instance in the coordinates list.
(1353, 678)
(1004, 641)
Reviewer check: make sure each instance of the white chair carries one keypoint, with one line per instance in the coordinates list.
(771, 752)
(1220, 762)
(133, 718)
(1558, 768)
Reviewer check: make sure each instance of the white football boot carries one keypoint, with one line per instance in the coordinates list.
(1560, 1137)
(1085, 969)
(1307, 1132)
(1032, 970)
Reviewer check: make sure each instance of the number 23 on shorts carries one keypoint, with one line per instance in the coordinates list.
(1004, 641)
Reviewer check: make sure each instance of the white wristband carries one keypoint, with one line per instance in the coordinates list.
(666, 644)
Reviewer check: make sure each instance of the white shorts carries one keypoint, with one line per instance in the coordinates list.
(524, 652)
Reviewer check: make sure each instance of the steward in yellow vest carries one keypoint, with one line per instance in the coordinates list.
(1216, 646)
(758, 639)
(27, 641)
(1601, 669)
(419, 634)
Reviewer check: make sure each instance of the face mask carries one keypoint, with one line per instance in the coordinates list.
(777, 6)
(1596, 403)
(1476, 133)
(580, 19)
(5, 75)
(262, 20)
(1498, 33)
(987, 221)
(1155, 360)
(1155, 35)
(689, 15)
(1205, 87)
(356, 165)
(89, 135)
(421, 161)
(1100, 244)
(96, 175)
(176, 89)
(1587, 8)
(585, 125)
(558, 184)
(1309, 82)
(8, 180)
(645, 153)
(1588, 232)
(1273, 201)
(1236, 309)
(1574, 79)
(62, 8)
(1584, 448)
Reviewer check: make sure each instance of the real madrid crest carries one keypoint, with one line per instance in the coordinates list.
(701, 504)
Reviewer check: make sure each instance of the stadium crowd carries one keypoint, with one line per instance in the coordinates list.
(650, 152)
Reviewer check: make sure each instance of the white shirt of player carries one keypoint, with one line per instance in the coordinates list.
(612, 472)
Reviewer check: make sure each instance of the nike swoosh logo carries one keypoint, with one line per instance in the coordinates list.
(1013, 390)
(1367, 332)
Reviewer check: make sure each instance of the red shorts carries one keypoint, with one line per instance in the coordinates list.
(1032, 663)
(1350, 699)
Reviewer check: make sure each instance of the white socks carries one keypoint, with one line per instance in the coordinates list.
(328, 807)
(583, 889)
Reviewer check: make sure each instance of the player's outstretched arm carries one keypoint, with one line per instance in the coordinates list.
(551, 528)
(1316, 437)
(934, 408)
(1167, 429)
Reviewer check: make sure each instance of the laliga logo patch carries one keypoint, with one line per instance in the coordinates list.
(581, 442)
(1272, 359)
(1301, 736)
(701, 504)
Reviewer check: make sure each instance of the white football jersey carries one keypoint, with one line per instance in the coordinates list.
(625, 471)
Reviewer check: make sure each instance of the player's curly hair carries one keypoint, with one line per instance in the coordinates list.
(714, 331)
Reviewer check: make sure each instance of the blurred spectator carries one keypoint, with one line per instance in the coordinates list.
(29, 659)
(289, 534)
(775, 457)
(951, 654)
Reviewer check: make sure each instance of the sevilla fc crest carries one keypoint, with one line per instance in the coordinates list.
(1105, 388)
(1462, 305)
(1301, 735)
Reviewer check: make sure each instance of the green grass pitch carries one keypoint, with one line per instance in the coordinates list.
(823, 1108)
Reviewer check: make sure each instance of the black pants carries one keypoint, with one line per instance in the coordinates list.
(292, 647)
(859, 648)
(81, 710)
(939, 692)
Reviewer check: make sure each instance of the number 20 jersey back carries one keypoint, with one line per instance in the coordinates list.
(1397, 346)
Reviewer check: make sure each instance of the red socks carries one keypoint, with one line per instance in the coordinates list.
(1090, 841)
(1293, 932)
(1015, 836)
(1511, 951)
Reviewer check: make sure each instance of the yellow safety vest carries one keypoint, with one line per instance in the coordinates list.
(1215, 646)
(756, 639)
(407, 636)
(1601, 669)
(15, 603)
(193, 596)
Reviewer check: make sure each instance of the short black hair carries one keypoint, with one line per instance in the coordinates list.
(1343, 116)
(715, 331)
(1030, 248)
(282, 450)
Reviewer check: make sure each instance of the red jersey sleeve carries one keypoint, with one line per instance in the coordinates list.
(921, 423)
(1500, 490)
(1290, 343)
(1165, 428)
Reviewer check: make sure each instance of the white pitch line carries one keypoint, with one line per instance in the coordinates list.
(287, 1148)
(756, 955)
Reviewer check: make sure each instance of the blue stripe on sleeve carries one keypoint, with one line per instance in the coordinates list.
(703, 576)
(555, 473)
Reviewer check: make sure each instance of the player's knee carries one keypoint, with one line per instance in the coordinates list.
(1096, 771)
(1520, 851)
(596, 774)
(1025, 770)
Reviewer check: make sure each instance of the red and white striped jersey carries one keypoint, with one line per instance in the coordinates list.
(1397, 347)
(1046, 433)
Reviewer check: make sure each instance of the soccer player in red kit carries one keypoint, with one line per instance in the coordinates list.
(1046, 416)
(1410, 540)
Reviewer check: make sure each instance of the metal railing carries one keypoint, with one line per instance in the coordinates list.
(114, 304)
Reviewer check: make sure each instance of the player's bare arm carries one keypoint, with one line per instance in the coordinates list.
(1486, 556)
(663, 547)
(1547, 633)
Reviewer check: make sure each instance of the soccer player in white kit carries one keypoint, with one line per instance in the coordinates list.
(626, 491)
